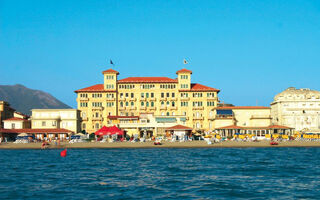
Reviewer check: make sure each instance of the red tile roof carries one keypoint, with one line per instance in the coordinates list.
(196, 87)
(230, 127)
(15, 119)
(94, 88)
(147, 80)
(179, 127)
(56, 130)
(110, 71)
(184, 70)
(123, 117)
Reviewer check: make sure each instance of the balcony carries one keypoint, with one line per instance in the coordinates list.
(173, 99)
(152, 99)
(131, 99)
(97, 108)
(198, 108)
(111, 99)
(163, 99)
(133, 108)
(184, 98)
(122, 108)
(212, 98)
(83, 98)
(163, 108)
(143, 108)
(143, 99)
(173, 108)
(122, 98)
(97, 118)
(152, 108)
(198, 118)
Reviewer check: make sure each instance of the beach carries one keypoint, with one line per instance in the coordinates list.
(165, 144)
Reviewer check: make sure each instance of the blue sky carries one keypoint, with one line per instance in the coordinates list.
(251, 50)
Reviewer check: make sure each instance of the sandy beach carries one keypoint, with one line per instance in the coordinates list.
(192, 144)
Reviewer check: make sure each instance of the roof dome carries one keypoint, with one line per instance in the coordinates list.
(293, 93)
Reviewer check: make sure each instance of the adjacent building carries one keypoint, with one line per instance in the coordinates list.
(161, 96)
(68, 119)
(297, 108)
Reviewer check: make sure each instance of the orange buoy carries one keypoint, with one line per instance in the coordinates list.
(63, 153)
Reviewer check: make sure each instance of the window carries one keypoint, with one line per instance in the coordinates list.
(97, 125)
(152, 95)
(127, 94)
(184, 86)
(132, 95)
(132, 104)
(173, 104)
(184, 76)
(210, 103)
(168, 113)
(152, 104)
(43, 123)
(127, 104)
(142, 95)
(168, 94)
(84, 126)
(147, 95)
(142, 103)
(13, 126)
(147, 104)
(162, 95)
(184, 103)
(172, 95)
(121, 104)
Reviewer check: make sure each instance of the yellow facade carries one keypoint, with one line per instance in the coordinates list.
(157, 95)
(244, 116)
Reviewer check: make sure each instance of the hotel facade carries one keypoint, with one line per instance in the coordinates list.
(162, 97)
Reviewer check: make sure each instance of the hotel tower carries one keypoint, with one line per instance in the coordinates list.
(160, 96)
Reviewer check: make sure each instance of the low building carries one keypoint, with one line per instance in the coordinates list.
(6, 112)
(297, 108)
(246, 116)
(56, 119)
(16, 123)
(258, 132)
(146, 123)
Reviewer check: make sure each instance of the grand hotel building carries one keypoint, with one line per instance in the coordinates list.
(161, 96)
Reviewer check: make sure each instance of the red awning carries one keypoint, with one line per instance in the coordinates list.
(109, 131)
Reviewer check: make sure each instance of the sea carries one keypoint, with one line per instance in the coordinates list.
(191, 173)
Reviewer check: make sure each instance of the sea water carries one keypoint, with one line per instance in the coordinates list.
(219, 173)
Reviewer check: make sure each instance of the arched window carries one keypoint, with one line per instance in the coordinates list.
(168, 113)
(142, 103)
(97, 114)
(172, 103)
(132, 103)
(127, 103)
(162, 103)
(121, 104)
(97, 125)
(84, 126)
(152, 103)
(147, 104)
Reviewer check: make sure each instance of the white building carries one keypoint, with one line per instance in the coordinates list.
(297, 108)
(56, 119)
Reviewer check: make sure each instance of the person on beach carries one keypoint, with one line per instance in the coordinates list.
(43, 145)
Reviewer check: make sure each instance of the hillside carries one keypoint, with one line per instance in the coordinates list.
(24, 99)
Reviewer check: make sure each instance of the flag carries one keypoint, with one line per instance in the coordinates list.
(111, 62)
(185, 61)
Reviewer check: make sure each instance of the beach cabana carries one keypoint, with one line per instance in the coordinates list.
(109, 131)
(180, 132)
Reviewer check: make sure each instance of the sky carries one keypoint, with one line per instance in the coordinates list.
(250, 50)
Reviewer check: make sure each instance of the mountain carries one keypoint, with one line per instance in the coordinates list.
(24, 99)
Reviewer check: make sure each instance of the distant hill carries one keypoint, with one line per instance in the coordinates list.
(24, 99)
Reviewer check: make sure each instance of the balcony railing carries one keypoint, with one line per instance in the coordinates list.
(198, 108)
(184, 98)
